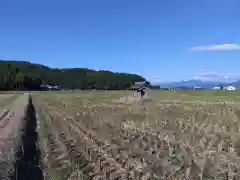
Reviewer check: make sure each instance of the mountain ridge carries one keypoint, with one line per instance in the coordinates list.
(198, 83)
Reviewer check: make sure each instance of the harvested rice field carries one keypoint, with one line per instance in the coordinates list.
(113, 135)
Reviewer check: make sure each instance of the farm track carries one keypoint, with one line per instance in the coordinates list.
(4, 113)
(18, 140)
(9, 133)
(27, 165)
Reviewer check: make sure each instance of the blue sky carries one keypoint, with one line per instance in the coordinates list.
(163, 40)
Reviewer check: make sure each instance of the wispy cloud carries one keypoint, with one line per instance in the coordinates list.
(218, 47)
(155, 79)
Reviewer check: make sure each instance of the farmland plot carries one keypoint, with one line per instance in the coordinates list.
(96, 136)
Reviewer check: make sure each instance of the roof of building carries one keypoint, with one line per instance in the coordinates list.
(139, 85)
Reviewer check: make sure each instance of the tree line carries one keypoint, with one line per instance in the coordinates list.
(22, 75)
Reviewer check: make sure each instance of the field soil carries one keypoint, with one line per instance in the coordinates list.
(17, 141)
(110, 135)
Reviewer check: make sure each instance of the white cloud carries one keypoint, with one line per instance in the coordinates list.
(219, 47)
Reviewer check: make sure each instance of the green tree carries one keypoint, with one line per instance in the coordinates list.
(25, 75)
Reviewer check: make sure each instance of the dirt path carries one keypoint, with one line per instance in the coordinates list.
(10, 130)
(27, 163)
(12, 121)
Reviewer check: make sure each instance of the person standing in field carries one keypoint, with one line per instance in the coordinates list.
(142, 92)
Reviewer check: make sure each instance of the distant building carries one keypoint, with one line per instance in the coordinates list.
(197, 87)
(140, 87)
(216, 88)
(229, 88)
(47, 87)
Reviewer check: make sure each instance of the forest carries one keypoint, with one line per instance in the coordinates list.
(23, 75)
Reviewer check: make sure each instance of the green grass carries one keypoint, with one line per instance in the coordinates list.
(8, 100)
(207, 93)
(111, 96)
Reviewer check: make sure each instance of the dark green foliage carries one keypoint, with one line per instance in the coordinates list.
(155, 87)
(21, 75)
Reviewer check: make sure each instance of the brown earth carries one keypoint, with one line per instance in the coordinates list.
(102, 138)
(19, 154)
(10, 131)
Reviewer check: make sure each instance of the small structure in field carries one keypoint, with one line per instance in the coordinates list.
(197, 88)
(140, 89)
(229, 88)
(216, 88)
(46, 87)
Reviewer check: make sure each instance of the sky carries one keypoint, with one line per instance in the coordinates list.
(162, 40)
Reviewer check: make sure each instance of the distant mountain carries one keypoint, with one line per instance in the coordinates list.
(236, 84)
(196, 83)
